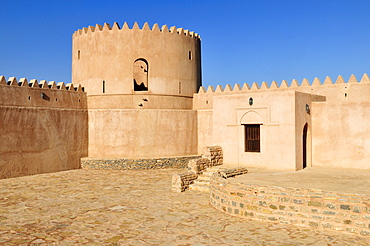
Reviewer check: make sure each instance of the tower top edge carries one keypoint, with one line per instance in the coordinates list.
(145, 28)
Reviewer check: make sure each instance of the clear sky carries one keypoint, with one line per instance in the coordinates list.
(242, 41)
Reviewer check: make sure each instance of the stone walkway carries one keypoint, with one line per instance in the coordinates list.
(90, 207)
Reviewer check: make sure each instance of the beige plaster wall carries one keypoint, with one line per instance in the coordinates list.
(275, 113)
(340, 126)
(136, 133)
(41, 135)
(108, 54)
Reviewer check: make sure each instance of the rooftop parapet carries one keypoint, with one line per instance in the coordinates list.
(125, 27)
(283, 85)
(23, 82)
(24, 93)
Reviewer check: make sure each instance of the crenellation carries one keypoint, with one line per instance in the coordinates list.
(316, 82)
(228, 88)
(273, 85)
(53, 85)
(173, 29)
(254, 86)
(115, 27)
(294, 83)
(34, 83)
(237, 88)
(339, 80)
(202, 90)
(165, 29)
(61, 86)
(246, 87)
(365, 78)
(100, 27)
(328, 81)
(210, 89)
(264, 86)
(12, 81)
(23, 82)
(305, 82)
(155, 28)
(352, 79)
(219, 89)
(2, 80)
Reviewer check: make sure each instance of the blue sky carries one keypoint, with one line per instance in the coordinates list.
(242, 41)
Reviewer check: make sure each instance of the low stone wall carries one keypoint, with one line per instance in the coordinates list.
(302, 207)
(181, 182)
(228, 173)
(137, 164)
(214, 154)
(197, 166)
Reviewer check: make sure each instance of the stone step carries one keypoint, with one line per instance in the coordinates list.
(201, 177)
(202, 182)
(197, 187)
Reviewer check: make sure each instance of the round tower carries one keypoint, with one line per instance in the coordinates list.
(123, 61)
(140, 85)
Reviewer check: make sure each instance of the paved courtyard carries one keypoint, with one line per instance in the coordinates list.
(90, 207)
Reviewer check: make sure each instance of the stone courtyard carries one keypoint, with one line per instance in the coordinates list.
(116, 207)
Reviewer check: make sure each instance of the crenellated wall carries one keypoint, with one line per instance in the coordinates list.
(337, 132)
(43, 127)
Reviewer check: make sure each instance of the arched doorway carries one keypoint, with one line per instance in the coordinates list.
(140, 75)
(304, 145)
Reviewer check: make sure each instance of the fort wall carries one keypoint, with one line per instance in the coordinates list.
(43, 127)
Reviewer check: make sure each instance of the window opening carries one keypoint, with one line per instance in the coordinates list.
(103, 86)
(78, 55)
(140, 75)
(179, 87)
(252, 138)
(190, 56)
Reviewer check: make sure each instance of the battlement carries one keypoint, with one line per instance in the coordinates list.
(125, 27)
(41, 94)
(283, 85)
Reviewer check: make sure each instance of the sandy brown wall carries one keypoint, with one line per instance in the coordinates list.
(41, 135)
(137, 133)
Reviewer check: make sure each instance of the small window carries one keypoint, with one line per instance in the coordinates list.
(103, 86)
(179, 87)
(252, 138)
(78, 55)
(190, 56)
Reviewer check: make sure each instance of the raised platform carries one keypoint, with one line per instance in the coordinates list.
(325, 198)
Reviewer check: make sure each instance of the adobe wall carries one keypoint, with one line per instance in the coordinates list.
(42, 129)
(337, 125)
(108, 54)
(142, 133)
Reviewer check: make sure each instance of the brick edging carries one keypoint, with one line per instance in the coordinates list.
(303, 207)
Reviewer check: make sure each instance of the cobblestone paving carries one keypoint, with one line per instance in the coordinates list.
(101, 207)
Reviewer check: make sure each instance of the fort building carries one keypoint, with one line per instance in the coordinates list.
(141, 98)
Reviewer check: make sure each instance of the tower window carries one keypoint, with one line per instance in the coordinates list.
(141, 75)
(179, 87)
(103, 86)
(78, 55)
(252, 138)
(190, 55)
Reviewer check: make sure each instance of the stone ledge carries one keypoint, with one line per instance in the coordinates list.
(325, 210)
(136, 164)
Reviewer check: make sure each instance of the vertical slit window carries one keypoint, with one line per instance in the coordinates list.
(252, 138)
(79, 55)
(103, 86)
(190, 56)
(179, 87)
